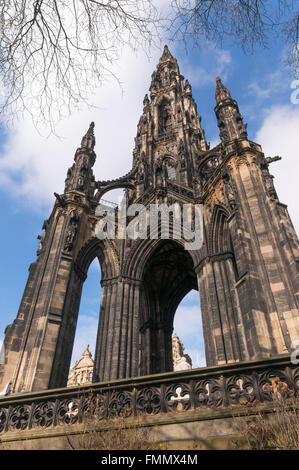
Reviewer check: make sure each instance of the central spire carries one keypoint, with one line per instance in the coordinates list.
(167, 72)
(88, 140)
(169, 138)
(166, 54)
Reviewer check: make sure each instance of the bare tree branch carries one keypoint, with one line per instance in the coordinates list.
(249, 23)
(53, 53)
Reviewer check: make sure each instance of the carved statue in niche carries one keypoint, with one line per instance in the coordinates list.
(183, 161)
(143, 125)
(242, 128)
(165, 169)
(268, 179)
(196, 184)
(181, 147)
(187, 117)
(72, 231)
(83, 172)
(172, 77)
(223, 132)
(156, 79)
(195, 143)
(68, 178)
(181, 153)
(165, 77)
(161, 172)
(141, 173)
(229, 191)
(179, 113)
(141, 169)
(42, 237)
(169, 169)
(80, 182)
(70, 237)
(41, 242)
(164, 116)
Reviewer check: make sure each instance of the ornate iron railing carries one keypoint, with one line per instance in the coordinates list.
(215, 387)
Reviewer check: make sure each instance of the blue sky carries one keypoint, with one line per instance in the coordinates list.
(32, 167)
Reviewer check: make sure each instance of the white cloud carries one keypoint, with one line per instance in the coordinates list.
(278, 135)
(33, 167)
(269, 84)
(206, 73)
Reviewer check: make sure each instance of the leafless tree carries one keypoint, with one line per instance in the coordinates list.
(249, 23)
(53, 52)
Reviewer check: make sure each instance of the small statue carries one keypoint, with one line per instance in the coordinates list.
(181, 361)
(229, 191)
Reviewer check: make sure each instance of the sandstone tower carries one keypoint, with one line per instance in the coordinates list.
(246, 271)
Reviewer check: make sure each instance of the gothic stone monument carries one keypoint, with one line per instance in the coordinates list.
(246, 271)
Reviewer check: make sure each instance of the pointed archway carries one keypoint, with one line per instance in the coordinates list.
(168, 276)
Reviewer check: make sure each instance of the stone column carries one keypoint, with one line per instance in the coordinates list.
(220, 311)
(117, 341)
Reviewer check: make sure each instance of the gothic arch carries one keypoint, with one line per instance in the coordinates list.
(167, 275)
(110, 187)
(106, 253)
(141, 251)
(164, 97)
(219, 235)
(169, 156)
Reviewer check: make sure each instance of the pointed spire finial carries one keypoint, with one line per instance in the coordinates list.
(86, 352)
(145, 100)
(221, 91)
(230, 124)
(166, 54)
(88, 140)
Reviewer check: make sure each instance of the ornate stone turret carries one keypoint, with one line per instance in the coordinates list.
(82, 371)
(230, 121)
(88, 141)
(80, 176)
